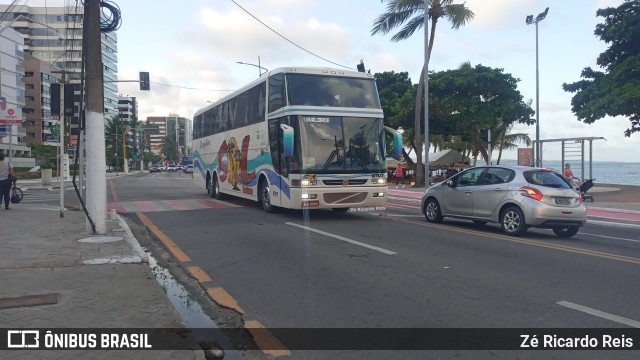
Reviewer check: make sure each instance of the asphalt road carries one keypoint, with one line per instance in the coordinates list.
(391, 269)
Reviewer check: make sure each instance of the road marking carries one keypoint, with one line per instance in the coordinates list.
(601, 314)
(171, 246)
(610, 237)
(268, 343)
(199, 274)
(220, 296)
(342, 238)
(612, 223)
(611, 256)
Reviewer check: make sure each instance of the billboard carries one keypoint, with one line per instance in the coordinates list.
(9, 114)
(525, 156)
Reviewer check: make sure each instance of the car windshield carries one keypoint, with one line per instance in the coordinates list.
(547, 178)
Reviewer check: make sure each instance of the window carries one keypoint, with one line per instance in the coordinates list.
(495, 176)
(468, 178)
(276, 92)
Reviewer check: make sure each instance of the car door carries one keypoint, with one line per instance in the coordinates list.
(459, 199)
(491, 190)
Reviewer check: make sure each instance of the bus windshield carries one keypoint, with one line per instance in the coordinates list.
(322, 90)
(339, 144)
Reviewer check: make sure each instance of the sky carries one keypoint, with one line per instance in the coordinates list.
(192, 48)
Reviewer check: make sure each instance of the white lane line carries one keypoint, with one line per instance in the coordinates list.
(611, 223)
(610, 237)
(598, 313)
(384, 251)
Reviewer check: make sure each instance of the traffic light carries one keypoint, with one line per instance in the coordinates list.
(361, 66)
(144, 80)
(484, 135)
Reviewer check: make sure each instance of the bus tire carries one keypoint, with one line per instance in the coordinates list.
(265, 198)
(215, 188)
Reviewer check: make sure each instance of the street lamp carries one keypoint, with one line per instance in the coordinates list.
(531, 20)
(260, 68)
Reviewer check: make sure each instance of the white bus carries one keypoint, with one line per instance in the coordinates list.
(296, 138)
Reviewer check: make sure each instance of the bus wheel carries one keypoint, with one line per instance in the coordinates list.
(265, 198)
(215, 188)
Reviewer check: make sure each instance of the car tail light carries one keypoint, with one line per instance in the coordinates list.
(531, 192)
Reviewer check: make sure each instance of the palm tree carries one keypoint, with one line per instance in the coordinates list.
(411, 14)
(509, 141)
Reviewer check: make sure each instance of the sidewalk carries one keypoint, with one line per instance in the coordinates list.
(86, 281)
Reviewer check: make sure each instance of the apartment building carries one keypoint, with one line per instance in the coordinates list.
(54, 35)
(174, 127)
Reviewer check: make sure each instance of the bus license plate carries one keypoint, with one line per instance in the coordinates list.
(310, 203)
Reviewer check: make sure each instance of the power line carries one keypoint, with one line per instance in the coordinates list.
(185, 87)
(284, 37)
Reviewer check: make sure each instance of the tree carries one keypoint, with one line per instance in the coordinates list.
(616, 90)
(469, 99)
(169, 149)
(397, 99)
(113, 133)
(411, 14)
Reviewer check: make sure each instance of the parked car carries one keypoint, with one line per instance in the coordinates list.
(155, 168)
(172, 167)
(517, 197)
(188, 169)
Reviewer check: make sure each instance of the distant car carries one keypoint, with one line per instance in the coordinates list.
(172, 167)
(517, 197)
(188, 169)
(155, 168)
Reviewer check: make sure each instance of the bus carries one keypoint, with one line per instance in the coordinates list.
(296, 138)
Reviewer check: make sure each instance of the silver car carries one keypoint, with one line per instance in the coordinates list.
(517, 197)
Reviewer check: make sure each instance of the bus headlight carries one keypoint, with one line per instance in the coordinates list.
(380, 181)
(307, 182)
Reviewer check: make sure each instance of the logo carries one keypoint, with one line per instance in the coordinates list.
(21, 339)
(204, 144)
(345, 182)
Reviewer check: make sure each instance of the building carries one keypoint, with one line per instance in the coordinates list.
(54, 35)
(40, 123)
(12, 93)
(177, 129)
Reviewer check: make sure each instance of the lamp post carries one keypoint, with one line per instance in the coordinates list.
(124, 149)
(530, 20)
(260, 68)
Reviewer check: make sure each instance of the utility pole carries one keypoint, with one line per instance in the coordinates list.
(96, 160)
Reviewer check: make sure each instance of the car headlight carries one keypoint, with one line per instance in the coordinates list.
(380, 181)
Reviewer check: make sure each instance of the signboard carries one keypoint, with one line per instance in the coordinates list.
(525, 156)
(9, 114)
(55, 129)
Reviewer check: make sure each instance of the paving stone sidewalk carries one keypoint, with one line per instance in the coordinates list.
(99, 282)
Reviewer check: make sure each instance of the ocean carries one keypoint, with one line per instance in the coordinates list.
(603, 172)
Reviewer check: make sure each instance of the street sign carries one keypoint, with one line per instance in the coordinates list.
(55, 129)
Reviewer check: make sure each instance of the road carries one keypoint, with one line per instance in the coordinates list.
(391, 269)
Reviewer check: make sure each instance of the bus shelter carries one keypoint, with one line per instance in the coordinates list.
(573, 150)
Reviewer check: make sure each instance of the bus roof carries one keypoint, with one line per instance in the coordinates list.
(288, 70)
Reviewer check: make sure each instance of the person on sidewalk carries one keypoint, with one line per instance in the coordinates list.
(399, 175)
(568, 174)
(6, 170)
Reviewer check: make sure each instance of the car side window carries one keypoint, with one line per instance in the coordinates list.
(495, 176)
(468, 178)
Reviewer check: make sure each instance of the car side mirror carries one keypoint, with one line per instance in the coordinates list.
(449, 183)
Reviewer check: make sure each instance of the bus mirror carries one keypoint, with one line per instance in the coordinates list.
(397, 141)
(287, 139)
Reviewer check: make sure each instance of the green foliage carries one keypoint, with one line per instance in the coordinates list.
(465, 100)
(616, 90)
(46, 153)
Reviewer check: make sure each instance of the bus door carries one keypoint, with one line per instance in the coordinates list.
(278, 160)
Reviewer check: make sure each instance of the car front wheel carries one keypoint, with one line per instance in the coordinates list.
(566, 232)
(512, 221)
(432, 211)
